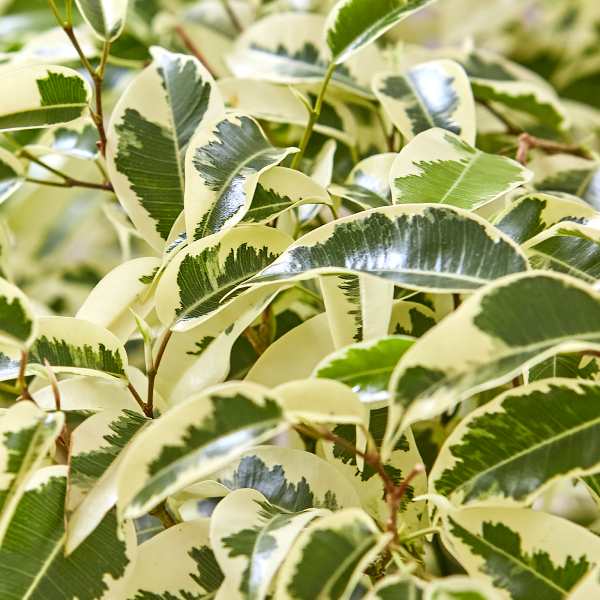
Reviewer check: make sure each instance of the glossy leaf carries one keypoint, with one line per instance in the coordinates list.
(105, 17)
(439, 167)
(18, 325)
(77, 140)
(150, 129)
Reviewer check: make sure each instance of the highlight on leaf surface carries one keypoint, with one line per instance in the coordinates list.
(105, 17)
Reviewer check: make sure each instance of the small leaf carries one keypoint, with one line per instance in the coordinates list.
(43, 96)
(442, 168)
(105, 17)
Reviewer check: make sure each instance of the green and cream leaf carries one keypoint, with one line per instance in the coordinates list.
(18, 325)
(105, 17)
(12, 174)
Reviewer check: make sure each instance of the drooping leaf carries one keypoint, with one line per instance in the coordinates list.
(197, 281)
(149, 132)
(26, 436)
(438, 166)
(223, 164)
(33, 565)
(432, 94)
(18, 325)
(353, 24)
(43, 96)
(12, 174)
(512, 324)
(532, 214)
(196, 438)
(77, 140)
(512, 448)
(366, 367)
(95, 454)
(105, 17)
(328, 558)
(177, 563)
(456, 251)
(526, 553)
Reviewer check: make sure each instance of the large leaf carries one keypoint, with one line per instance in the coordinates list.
(150, 129)
(289, 48)
(329, 556)
(18, 325)
(514, 323)
(12, 174)
(198, 279)
(177, 563)
(526, 553)
(280, 189)
(514, 447)
(43, 96)
(251, 539)
(532, 214)
(571, 366)
(105, 17)
(422, 247)
(32, 558)
(124, 288)
(353, 24)
(95, 454)
(366, 367)
(194, 439)
(432, 94)
(223, 164)
(26, 436)
(438, 166)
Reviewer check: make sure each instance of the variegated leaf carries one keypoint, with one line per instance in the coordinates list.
(532, 214)
(12, 174)
(571, 366)
(422, 247)
(150, 129)
(524, 553)
(432, 94)
(18, 325)
(222, 167)
(416, 319)
(438, 166)
(195, 284)
(177, 564)
(514, 447)
(105, 17)
(96, 452)
(26, 436)
(33, 566)
(329, 556)
(396, 586)
(353, 24)
(512, 324)
(43, 96)
(459, 587)
(366, 367)
(197, 437)
(77, 140)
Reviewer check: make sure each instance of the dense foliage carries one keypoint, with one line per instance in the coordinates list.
(299, 300)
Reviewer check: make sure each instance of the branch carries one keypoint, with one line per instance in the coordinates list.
(527, 141)
(21, 379)
(149, 407)
(163, 515)
(192, 48)
(137, 397)
(232, 17)
(511, 127)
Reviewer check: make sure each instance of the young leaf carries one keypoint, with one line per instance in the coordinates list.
(353, 24)
(149, 132)
(105, 17)
(526, 553)
(223, 164)
(514, 447)
(124, 288)
(514, 323)
(18, 325)
(432, 94)
(279, 190)
(251, 539)
(532, 214)
(442, 168)
(196, 282)
(12, 174)
(43, 96)
(31, 566)
(177, 563)
(96, 452)
(27, 434)
(422, 247)
(366, 367)
(196, 438)
(329, 556)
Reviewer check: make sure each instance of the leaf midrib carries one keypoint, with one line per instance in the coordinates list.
(44, 568)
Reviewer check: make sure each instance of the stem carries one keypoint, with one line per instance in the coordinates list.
(56, 13)
(394, 500)
(69, 11)
(457, 300)
(314, 116)
(232, 17)
(527, 141)
(137, 397)
(53, 383)
(511, 127)
(418, 534)
(260, 339)
(334, 212)
(149, 407)
(69, 182)
(163, 515)
(516, 381)
(21, 380)
(192, 48)
(11, 389)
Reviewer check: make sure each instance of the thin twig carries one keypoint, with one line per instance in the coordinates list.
(53, 383)
(516, 382)
(457, 300)
(163, 515)
(192, 48)
(396, 499)
(527, 141)
(510, 126)
(261, 339)
(232, 16)
(69, 183)
(149, 407)
(137, 397)
(21, 379)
